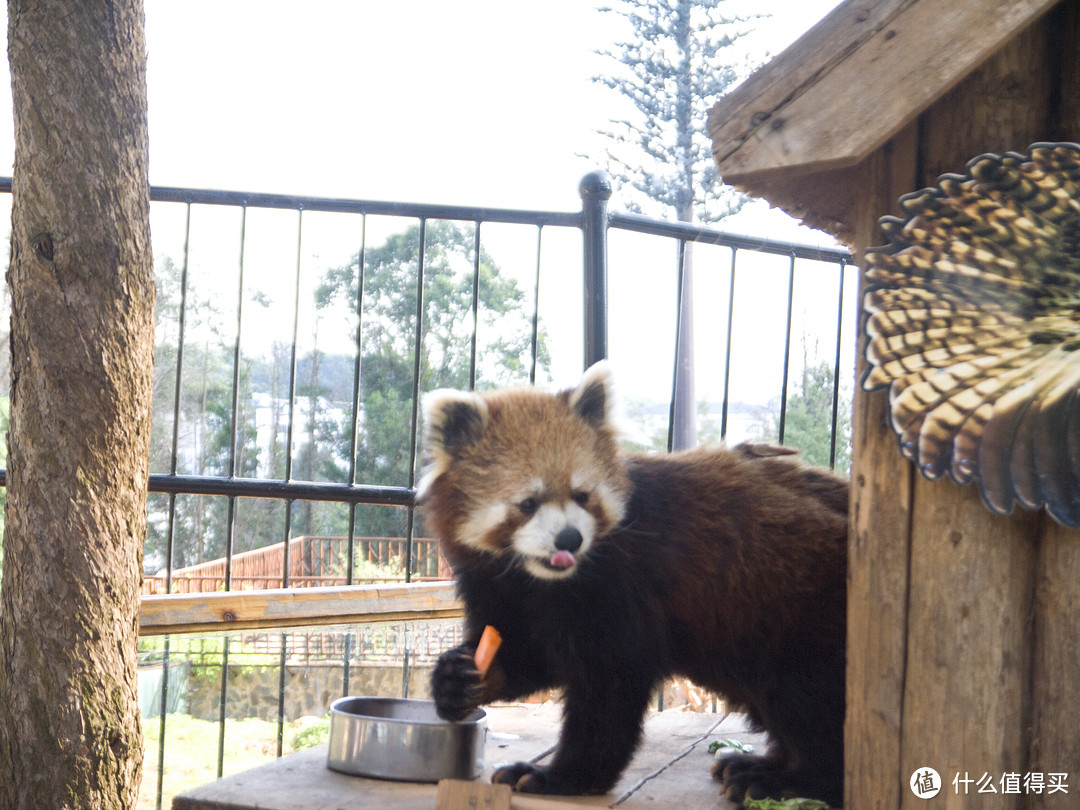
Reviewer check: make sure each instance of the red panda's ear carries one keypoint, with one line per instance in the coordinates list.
(452, 419)
(592, 400)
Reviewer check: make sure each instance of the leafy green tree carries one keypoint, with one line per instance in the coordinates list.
(202, 419)
(503, 337)
(808, 419)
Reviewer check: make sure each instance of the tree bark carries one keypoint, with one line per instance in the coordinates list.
(81, 280)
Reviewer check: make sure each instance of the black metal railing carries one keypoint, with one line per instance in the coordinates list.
(595, 225)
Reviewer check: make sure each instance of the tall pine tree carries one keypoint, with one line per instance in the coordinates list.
(678, 62)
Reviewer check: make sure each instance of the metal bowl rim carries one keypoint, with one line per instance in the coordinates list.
(473, 718)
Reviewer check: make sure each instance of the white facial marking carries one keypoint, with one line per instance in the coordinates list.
(480, 522)
(580, 481)
(535, 541)
(612, 502)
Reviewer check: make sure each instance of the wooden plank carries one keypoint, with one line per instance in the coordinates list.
(245, 610)
(682, 778)
(969, 632)
(670, 772)
(794, 71)
(868, 72)
(456, 794)
(1055, 699)
(878, 544)
(821, 200)
(670, 769)
(1004, 105)
(968, 684)
(1055, 744)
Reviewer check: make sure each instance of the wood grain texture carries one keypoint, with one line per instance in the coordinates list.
(967, 676)
(1055, 743)
(1055, 699)
(967, 698)
(856, 80)
(879, 540)
(457, 794)
(967, 681)
(81, 280)
(669, 772)
(246, 610)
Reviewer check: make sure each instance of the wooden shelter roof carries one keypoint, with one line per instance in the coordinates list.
(795, 129)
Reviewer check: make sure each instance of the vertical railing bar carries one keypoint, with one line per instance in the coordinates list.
(679, 304)
(787, 348)
(235, 404)
(475, 307)
(346, 664)
(595, 190)
(534, 343)
(287, 549)
(222, 702)
(836, 366)
(181, 330)
(292, 394)
(727, 348)
(163, 707)
(406, 666)
(361, 256)
(281, 695)
(231, 509)
(418, 345)
(173, 466)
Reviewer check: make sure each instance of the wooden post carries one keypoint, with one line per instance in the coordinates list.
(962, 651)
(879, 545)
(1055, 698)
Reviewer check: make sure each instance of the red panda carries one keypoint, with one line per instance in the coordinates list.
(606, 573)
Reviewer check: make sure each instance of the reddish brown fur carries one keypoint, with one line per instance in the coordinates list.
(728, 567)
(533, 437)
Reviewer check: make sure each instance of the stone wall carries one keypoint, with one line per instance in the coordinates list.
(310, 688)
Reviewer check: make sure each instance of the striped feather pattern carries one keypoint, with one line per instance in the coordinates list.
(973, 325)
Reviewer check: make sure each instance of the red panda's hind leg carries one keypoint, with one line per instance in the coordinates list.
(750, 776)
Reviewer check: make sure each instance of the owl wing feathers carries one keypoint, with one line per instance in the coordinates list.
(973, 324)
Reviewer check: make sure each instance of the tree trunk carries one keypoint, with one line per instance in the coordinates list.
(81, 280)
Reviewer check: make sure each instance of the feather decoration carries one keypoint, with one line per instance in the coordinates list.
(973, 325)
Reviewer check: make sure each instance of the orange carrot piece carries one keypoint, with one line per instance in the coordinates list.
(486, 649)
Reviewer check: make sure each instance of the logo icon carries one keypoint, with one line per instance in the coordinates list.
(925, 783)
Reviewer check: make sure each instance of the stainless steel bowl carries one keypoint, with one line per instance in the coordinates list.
(390, 738)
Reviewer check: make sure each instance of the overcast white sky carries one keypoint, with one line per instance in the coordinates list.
(481, 102)
(476, 102)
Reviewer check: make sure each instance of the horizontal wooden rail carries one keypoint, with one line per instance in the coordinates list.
(301, 607)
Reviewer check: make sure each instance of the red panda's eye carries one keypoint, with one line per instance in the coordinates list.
(581, 498)
(528, 506)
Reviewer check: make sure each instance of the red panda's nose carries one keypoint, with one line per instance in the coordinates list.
(569, 539)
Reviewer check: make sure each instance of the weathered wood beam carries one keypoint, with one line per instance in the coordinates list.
(855, 80)
(303, 607)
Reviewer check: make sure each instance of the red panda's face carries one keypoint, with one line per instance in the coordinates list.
(522, 473)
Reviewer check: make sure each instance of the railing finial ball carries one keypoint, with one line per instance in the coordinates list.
(595, 186)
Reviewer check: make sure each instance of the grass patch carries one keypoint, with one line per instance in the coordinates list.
(191, 750)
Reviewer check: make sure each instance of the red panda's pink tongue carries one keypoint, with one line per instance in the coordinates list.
(562, 559)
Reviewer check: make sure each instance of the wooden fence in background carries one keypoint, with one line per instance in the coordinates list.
(313, 562)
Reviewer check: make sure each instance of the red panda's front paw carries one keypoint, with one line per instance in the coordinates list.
(456, 685)
(524, 777)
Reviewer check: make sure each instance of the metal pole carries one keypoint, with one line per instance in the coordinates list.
(595, 190)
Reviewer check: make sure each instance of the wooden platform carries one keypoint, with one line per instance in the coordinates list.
(670, 771)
